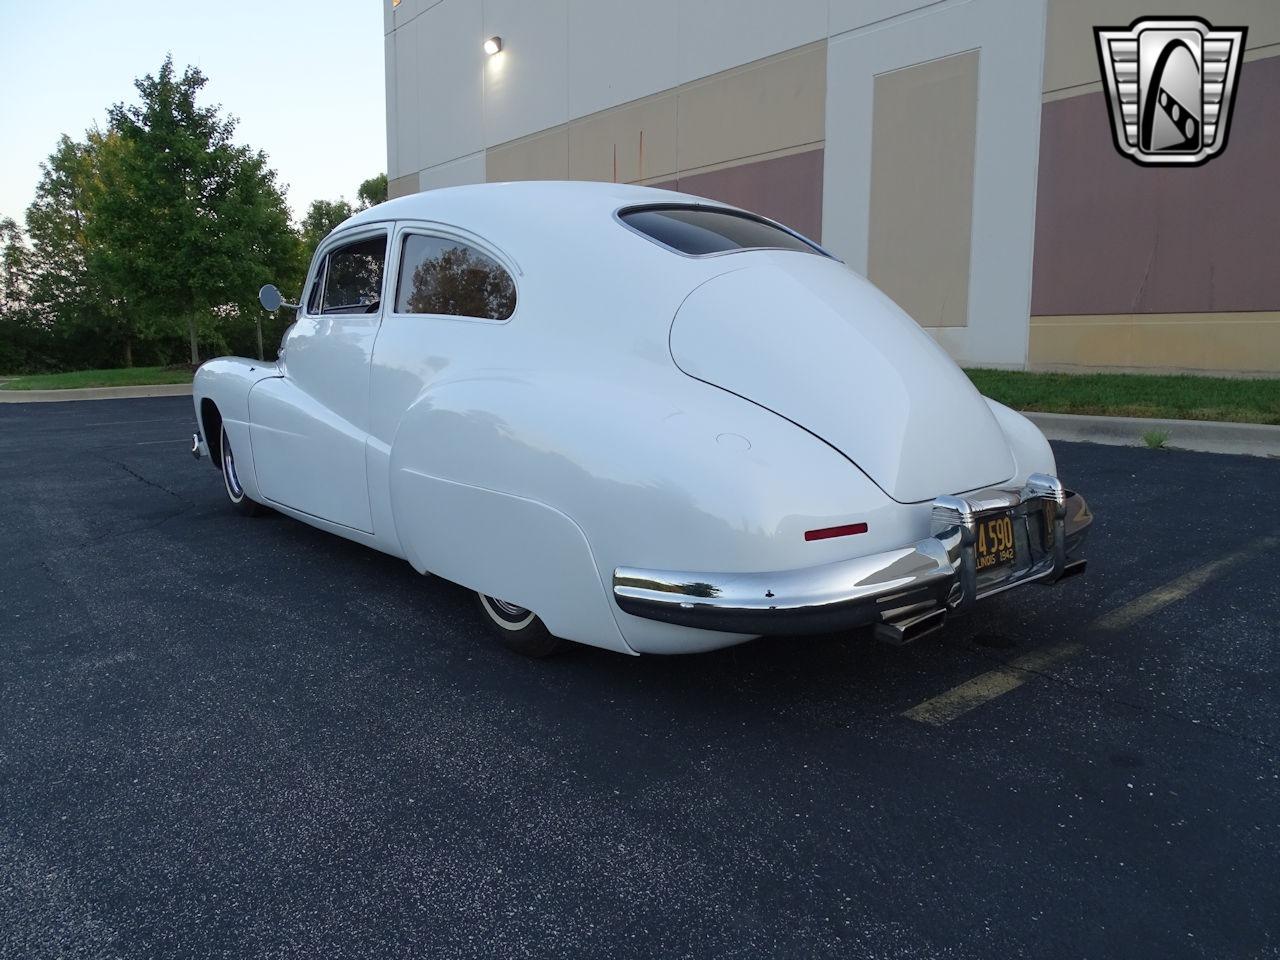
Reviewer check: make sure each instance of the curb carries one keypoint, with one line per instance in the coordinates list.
(1205, 436)
(96, 393)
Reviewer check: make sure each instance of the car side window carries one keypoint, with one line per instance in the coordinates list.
(352, 277)
(438, 275)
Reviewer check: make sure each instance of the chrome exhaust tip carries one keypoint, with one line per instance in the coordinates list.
(913, 628)
(195, 445)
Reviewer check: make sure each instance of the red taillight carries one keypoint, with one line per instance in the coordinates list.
(826, 533)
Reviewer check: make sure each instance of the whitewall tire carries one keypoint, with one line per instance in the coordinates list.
(518, 629)
(231, 479)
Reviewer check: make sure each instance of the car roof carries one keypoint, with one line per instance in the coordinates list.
(517, 200)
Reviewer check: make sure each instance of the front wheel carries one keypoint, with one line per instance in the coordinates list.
(231, 481)
(518, 629)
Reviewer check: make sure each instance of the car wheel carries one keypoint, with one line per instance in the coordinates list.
(518, 629)
(231, 481)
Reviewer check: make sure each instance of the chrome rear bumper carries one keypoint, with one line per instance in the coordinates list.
(904, 592)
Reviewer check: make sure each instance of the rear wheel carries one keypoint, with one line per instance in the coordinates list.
(231, 480)
(518, 629)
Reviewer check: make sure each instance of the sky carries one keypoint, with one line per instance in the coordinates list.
(305, 78)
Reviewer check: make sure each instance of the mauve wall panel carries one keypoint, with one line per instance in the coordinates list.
(1113, 237)
(787, 189)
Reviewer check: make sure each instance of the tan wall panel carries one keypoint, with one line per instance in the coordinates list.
(767, 109)
(402, 186)
(640, 137)
(1071, 59)
(542, 156)
(923, 128)
(769, 105)
(1211, 342)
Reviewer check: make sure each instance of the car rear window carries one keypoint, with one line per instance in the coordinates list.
(443, 276)
(699, 231)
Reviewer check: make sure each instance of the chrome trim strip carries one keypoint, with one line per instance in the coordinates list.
(897, 588)
(818, 599)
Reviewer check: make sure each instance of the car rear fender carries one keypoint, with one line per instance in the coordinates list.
(505, 546)
(1031, 451)
(667, 473)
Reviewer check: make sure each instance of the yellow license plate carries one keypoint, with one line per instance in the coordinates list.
(993, 544)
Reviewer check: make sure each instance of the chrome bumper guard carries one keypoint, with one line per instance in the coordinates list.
(905, 592)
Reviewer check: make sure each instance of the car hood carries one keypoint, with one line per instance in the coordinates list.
(812, 341)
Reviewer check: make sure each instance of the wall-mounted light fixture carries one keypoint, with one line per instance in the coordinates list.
(493, 45)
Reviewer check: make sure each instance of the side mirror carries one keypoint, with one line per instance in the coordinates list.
(271, 299)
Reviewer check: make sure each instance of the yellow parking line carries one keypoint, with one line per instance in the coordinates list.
(1178, 589)
(994, 683)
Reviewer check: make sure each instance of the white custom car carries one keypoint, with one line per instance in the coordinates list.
(635, 419)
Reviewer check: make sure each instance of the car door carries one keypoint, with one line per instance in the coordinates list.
(451, 294)
(309, 426)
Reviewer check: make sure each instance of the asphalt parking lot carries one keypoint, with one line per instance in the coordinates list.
(231, 737)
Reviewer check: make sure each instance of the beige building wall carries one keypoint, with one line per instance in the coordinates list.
(542, 156)
(750, 135)
(750, 114)
(633, 143)
(922, 187)
(402, 186)
(1239, 342)
(933, 123)
(1071, 59)
(754, 111)
(562, 61)
(737, 100)
(907, 135)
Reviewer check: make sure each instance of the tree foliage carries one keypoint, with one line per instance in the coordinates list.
(19, 332)
(71, 304)
(15, 268)
(187, 221)
(155, 230)
(322, 216)
(373, 191)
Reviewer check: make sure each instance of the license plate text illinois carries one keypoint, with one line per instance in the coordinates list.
(994, 543)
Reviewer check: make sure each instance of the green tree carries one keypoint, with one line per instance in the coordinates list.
(18, 330)
(322, 216)
(66, 295)
(185, 224)
(15, 267)
(373, 191)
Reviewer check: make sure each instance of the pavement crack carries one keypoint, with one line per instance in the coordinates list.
(147, 480)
